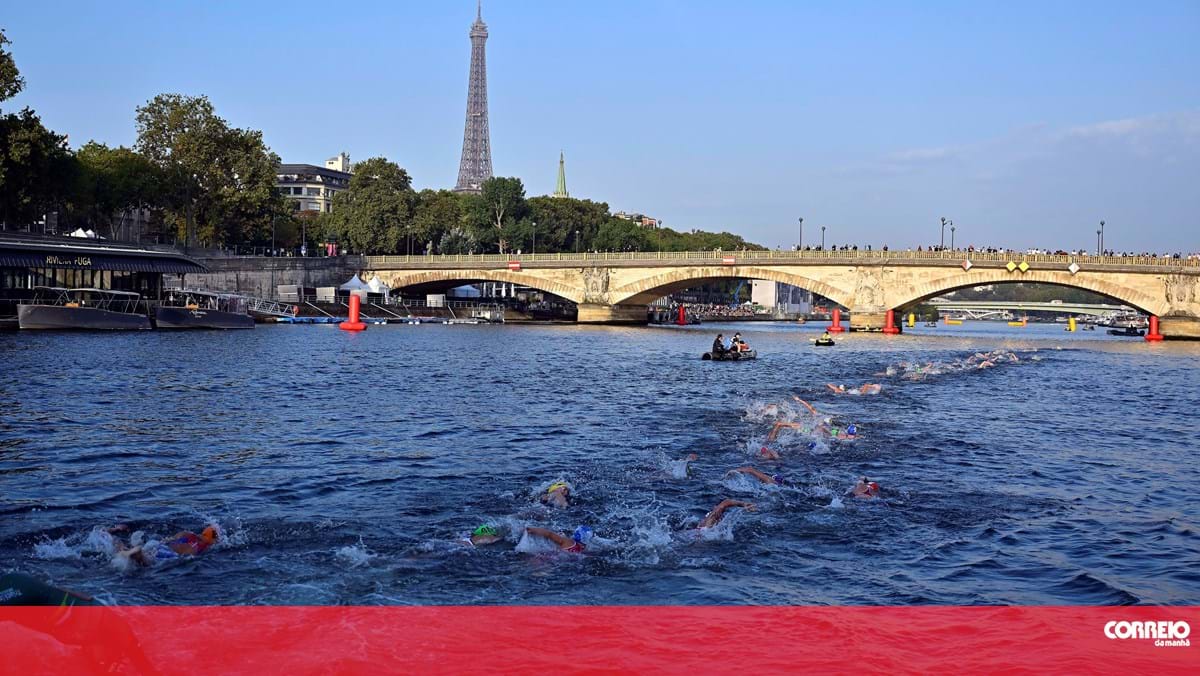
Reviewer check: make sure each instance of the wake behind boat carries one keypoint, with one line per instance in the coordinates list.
(189, 309)
(82, 309)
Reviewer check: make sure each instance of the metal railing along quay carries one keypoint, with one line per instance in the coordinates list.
(954, 257)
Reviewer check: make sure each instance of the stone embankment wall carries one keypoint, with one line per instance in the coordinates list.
(259, 276)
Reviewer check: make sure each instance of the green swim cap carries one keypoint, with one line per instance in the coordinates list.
(484, 530)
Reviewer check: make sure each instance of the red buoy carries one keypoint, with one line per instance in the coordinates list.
(682, 320)
(835, 325)
(1152, 333)
(353, 324)
(891, 327)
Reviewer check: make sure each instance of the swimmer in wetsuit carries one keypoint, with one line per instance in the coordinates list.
(865, 488)
(575, 544)
(714, 517)
(482, 535)
(558, 495)
(772, 479)
(866, 388)
(183, 543)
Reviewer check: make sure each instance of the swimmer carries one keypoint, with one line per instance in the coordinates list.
(687, 468)
(482, 535)
(781, 425)
(865, 388)
(806, 405)
(575, 544)
(865, 488)
(714, 517)
(773, 479)
(558, 495)
(768, 454)
(183, 543)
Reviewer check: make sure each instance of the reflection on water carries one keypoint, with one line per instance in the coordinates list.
(346, 468)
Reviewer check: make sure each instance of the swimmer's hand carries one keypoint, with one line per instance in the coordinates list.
(692, 457)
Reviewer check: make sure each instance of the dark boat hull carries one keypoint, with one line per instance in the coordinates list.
(169, 317)
(730, 356)
(60, 317)
(823, 343)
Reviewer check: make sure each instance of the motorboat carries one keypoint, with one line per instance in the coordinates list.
(187, 309)
(730, 356)
(85, 309)
(1130, 331)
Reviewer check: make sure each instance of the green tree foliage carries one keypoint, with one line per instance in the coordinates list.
(499, 207)
(621, 235)
(666, 239)
(217, 182)
(111, 182)
(558, 218)
(438, 212)
(11, 82)
(36, 168)
(375, 215)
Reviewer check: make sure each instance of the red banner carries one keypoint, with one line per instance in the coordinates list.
(573, 639)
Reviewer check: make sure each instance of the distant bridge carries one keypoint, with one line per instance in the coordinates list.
(1018, 306)
(617, 287)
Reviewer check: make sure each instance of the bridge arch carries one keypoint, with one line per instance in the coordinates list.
(399, 279)
(648, 289)
(1083, 280)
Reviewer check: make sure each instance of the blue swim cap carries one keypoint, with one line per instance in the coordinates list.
(779, 479)
(851, 429)
(582, 535)
(812, 445)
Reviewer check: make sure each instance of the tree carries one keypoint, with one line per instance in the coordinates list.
(217, 182)
(437, 213)
(111, 183)
(620, 235)
(36, 167)
(501, 204)
(375, 214)
(11, 82)
(558, 218)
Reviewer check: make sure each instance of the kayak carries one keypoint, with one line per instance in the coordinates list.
(730, 356)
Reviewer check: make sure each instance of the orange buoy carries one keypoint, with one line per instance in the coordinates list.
(835, 325)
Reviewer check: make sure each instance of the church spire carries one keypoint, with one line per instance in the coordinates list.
(561, 189)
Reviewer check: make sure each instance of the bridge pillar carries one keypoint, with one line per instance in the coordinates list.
(1179, 328)
(594, 313)
(867, 321)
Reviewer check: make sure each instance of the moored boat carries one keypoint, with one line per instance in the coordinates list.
(57, 308)
(188, 309)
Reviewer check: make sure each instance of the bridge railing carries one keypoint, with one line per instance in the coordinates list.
(775, 255)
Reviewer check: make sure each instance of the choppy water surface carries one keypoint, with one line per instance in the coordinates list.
(342, 468)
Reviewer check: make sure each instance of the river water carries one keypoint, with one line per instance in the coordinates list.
(342, 468)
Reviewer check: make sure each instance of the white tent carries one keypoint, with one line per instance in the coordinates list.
(78, 233)
(355, 284)
(376, 285)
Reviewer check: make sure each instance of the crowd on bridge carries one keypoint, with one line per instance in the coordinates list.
(715, 310)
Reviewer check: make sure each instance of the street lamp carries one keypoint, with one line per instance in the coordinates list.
(822, 238)
(952, 228)
(1101, 237)
(943, 243)
(534, 237)
(1098, 250)
(576, 241)
(800, 246)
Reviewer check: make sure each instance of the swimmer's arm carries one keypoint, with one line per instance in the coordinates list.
(756, 474)
(806, 404)
(558, 539)
(714, 517)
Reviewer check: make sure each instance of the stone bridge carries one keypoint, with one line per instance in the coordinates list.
(617, 287)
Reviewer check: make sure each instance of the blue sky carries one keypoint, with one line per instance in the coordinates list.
(1025, 122)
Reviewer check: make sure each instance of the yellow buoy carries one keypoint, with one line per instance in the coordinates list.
(912, 319)
(1070, 323)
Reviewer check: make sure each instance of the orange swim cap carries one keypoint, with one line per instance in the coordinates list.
(209, 534)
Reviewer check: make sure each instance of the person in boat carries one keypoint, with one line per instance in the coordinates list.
(865, 489)
(770, 479)
(485, 534)
(576, 544)
(183, 543)
(825, 336)
(558, 495)
(718, 346)
(714, 517)
(737, 344)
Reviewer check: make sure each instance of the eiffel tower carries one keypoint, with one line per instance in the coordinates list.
(476, 164)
